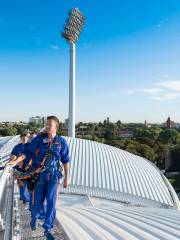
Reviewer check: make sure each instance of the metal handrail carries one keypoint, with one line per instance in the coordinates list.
(4, 178)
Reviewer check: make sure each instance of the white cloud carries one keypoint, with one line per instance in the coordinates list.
(153, 90)
(166, 90)
(167, 96)
(171, 85)
(55, 47)
(143, 90)
(87, 44)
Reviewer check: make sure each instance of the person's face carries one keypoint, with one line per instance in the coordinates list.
(51, 126)
(24, 139)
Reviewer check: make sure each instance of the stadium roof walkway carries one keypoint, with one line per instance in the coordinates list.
(16, 216)
(22, 220)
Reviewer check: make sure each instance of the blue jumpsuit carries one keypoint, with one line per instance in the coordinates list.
(17, 151)
(47, 181)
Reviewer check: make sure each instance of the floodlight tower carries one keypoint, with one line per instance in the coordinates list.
(71, 32)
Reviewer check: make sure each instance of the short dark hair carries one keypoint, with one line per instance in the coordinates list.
(24, 134)
(34, 132)
(55, 119)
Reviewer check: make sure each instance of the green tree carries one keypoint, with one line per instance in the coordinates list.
(146, 152)
(131, 146)
(12, 131)
(9, 131)
(162, 151)
(142, 150)
(88, 137)
(174, 165)
(169, 136)
(142, 133)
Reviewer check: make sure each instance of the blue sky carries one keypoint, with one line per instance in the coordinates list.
(128, 59)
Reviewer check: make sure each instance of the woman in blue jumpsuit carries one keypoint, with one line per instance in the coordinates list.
(22, 148)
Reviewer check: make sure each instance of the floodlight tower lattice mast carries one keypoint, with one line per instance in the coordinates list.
(71, 32)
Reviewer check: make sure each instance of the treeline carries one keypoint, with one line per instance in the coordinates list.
(154, 143)
(17, 129)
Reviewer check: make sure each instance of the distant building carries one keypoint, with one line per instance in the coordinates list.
(82, 127)
(38, 120)
(125, 134)
(66, 122)
(177, 125)
(64, 131)
(135, 125)
(11, 124)
(147, 125)
(169, 123)
(82, 130)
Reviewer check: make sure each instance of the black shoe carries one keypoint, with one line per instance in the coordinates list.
(33, 224)
(48, 235)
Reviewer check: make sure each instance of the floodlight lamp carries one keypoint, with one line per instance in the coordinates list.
(74, 24)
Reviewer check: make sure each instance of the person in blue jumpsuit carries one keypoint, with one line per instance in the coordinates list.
(31, 191)
(47, 151)
(23, 167)
(18, 150)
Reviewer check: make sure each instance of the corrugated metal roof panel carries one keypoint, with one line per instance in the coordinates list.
(99, 166)
(110, 221)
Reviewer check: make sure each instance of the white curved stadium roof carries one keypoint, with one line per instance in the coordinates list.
(113, 195)
(7, 143)
(105, 171)
(107, 220)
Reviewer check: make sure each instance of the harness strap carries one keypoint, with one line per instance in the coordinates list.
(42, 168)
